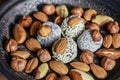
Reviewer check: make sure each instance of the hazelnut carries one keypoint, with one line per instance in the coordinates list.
(26, 21)
(96, 35)
(92, 26)
(74, 21)
(11, 45)
(87, 56)
(113, 27)
(18, 64)
(108, 64)
(107, 41)
(64, 78)
(51, 76)
(44, 30)
(44, 55)
(75, 75)
(58, 20)
(48, 9)
(77, 11)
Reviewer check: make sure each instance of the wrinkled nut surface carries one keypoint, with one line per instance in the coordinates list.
(60, 46)
(19, 33)
(92, 26)
(41, 16)
(89, 14)
(113, 27)
(32, 44)
(18, 64)
(48, 9)
(75, 75)
(41, 71)
(58, 20)
(108, 64)
(44, 30)
(11, 45)
(26, 21)
(58, 67)
(34, 27)
(64, 78)
(74, 21)
(62, 11)
(107, 41)
(51, 76)
(80, 66)
(96, 35)
(21, 54)
(98, 71)
(77, 11)
(31, 65)
(43, 55)
(87, 57)
(116, 40)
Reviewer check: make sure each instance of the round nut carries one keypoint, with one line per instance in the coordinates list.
(113, 27)
(77, 11)
(51, 76)
(64, 78)
(25, 21)
(48, 9)
(92, 26)
(18, 64)
(44, 30)
(96, 35)
(58, 20)
(108, 64)
(107, 41)
(11, 45)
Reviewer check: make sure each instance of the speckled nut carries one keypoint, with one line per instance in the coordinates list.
(48, 9)
(96, 35)
(11, 45)
(92, 26)
(89, 14)
(26, 21)
(77, 11)
(113, 27)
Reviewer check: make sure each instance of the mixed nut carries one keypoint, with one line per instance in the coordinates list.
(51, 65)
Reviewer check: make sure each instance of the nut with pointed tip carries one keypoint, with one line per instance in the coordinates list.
(96, 35)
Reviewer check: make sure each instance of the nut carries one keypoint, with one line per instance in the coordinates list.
(80, 66)
(96, 35)
(31, 65)
(32, 44)
(26, 21)
(98, 71)
(18, 64)
(64, 78)
(58, 67)
(11, 45)
(92, 26)
(87, 56)
(74, 21)
(44, 55)
(60, 46)
(44, 30)
(107, 41)
(116, 40)
(34, 27)
(48, 9)
(108, 64)
(77, 11)
(89, 14)
(41, 16)
(62, 11)
(51, 76)
(101, 20)
(58, 20)
(41, 71)
(113, 27)
(21, 54)
(109, 53)
(75, 75)
(19, 33)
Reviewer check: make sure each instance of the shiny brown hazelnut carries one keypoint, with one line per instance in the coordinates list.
(64, 78)
(48, 9)
(77, 11)
(113, 27)
(108, 64)
(96, 35)
(11, 45)
(87, 57)
(51, 76)
(44, 30)
(58, 20)
(43, 55)
(18, 64)
(92, 26)
(26, 21)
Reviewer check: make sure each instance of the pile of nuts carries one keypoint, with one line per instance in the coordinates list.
(40, 64)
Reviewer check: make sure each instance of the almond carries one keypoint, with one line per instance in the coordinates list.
(51, 76)
(98, 71)
(64, 78)
(58, 67)
(74, 21)
(116, 40)
(107, 41)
